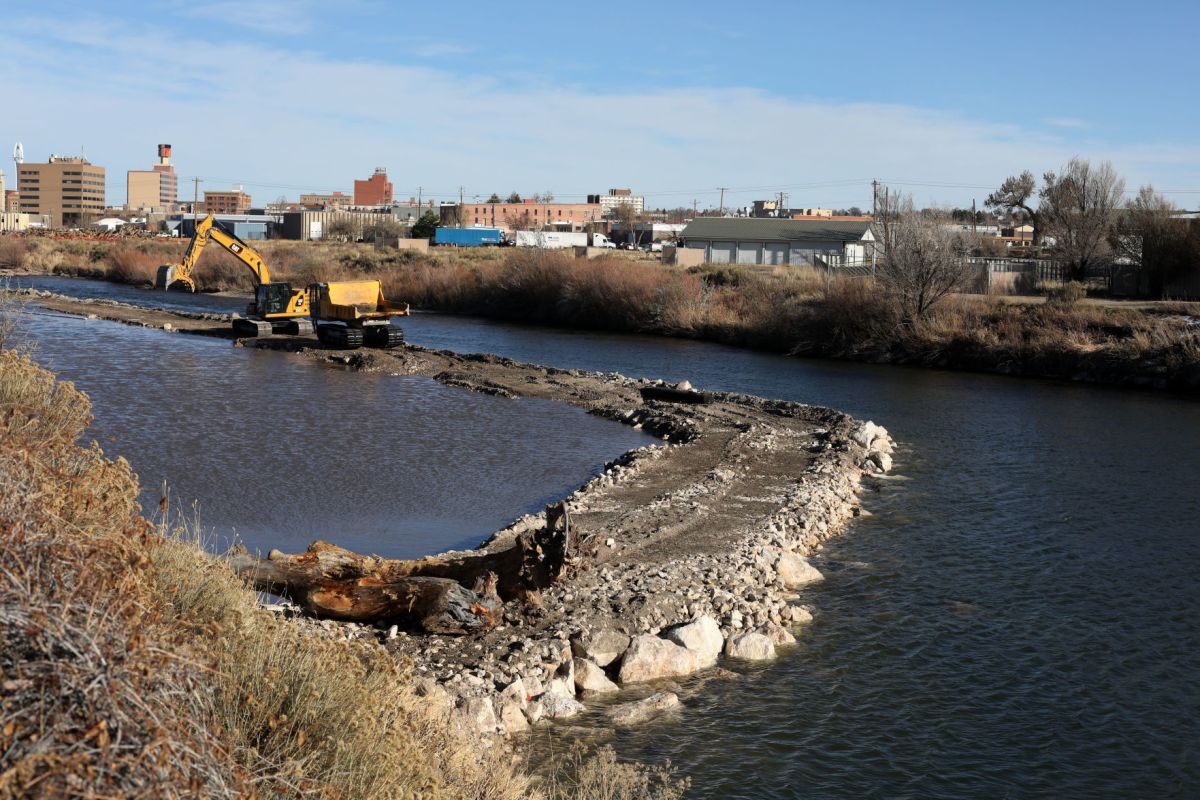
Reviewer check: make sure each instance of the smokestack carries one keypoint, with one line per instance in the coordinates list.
(164, 154)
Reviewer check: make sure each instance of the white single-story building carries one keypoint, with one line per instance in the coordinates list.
(729, 240)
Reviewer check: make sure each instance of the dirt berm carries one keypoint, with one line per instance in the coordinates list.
(712, 526)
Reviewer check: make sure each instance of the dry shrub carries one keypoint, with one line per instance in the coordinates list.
(856, 312)
(43, 255)
(12, 252)
(599, 776)
(95, 702)
(130, 265)
(137, 665)
(1067, 294)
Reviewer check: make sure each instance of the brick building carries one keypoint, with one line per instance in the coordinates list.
(68, 189)
(530, 215)
(232, 202)
(374, 191)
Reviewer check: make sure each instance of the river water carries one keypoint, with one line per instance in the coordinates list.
(1018, 617)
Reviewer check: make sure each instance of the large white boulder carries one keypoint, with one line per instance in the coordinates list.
(750, 646)
(702, 636)
(590, 678)
(641, 710)
(649, 658)
(795, 572)
(601, 647)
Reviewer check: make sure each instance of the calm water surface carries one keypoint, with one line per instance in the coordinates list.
(1019, 618)
(280, 453)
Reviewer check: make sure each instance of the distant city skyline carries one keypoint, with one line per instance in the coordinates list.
(673, 100)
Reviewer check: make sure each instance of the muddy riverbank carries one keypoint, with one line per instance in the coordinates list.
(708, 531)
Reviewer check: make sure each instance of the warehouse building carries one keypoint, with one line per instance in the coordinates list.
(817, 242)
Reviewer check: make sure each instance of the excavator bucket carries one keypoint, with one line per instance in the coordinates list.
(165, 276)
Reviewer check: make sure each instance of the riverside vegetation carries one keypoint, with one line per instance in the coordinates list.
(787, 310)
(134, 664)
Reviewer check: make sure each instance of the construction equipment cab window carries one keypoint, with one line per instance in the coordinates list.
(275, 298)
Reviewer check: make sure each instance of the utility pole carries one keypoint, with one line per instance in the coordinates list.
(195, 202)
(694, 211)
(874, 199)
(460, 207)
(418, 197)
(722, 188)
(973, 216)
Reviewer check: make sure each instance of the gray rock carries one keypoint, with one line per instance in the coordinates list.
(650, 657)
(795, 572)
(639, 711)
(601, 647)
(476, 714)
(590, 678)
(750, 647)
(702, 636)
(801, 615)
(512, 717)
(555, 706)
(778, 634)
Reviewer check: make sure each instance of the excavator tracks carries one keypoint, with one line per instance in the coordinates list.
(340, 336)
(383, 336)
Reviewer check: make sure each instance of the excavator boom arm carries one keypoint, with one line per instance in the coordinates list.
(207, 229)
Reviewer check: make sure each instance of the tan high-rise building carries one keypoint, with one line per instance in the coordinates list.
(234, 202)
(154, 190)
(68, 189)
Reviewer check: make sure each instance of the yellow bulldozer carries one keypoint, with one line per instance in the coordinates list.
(345, 314)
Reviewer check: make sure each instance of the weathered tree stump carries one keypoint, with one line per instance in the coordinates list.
(430, 593)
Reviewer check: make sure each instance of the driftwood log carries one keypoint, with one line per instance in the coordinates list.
(429, 593)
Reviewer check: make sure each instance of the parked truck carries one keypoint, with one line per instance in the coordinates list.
(469, 237)
(553, 240)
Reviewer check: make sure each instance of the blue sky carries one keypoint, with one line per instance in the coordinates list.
(672, 99)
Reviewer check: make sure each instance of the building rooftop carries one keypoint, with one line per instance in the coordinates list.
(775, 230)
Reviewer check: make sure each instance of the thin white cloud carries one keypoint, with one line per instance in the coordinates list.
(1068, 122)
(438, 50)
(289, 119)
(279, 17)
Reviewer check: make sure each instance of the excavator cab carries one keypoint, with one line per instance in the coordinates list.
(275, 298)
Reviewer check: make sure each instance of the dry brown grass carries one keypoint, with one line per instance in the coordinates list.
(137, 665)
(12, 252)
(134, 664)
(130, 265)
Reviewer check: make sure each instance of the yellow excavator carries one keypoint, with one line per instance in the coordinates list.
(345, 314)
(276, 308)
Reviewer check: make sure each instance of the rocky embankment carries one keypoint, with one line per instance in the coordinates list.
(689, 552)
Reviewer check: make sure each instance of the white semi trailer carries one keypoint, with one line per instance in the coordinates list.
(555, 240)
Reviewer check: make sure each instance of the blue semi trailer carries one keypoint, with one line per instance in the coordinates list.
(469, 237)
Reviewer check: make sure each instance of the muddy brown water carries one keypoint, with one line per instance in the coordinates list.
(1017, 619)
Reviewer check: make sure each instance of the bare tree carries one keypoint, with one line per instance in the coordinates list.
(547, 196)
(1148, 235)
(520, 220)
(1014, 196)
(341, 229)
(922, 260)
(1079, 208)
(626, 215)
